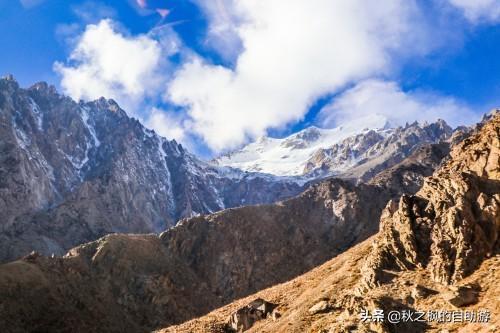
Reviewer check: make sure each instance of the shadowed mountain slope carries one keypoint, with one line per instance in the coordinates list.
(437, 250)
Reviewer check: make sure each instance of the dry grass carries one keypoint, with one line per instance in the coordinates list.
(336, 281)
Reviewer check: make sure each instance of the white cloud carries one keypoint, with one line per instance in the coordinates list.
(294, 51)
(130, 69)
(478, 11)
(168, 125)
(384, 99)
(222, 35)
(108, 63)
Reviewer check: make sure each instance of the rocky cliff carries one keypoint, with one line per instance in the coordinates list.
(434, 263)
(73, 172)
(452, 223)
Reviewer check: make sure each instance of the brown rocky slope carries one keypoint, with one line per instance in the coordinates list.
(147, 281)
(437, 250)
(138, 283)
(142, 282)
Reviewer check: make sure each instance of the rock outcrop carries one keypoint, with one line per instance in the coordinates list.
(452, 224)
(244, 318)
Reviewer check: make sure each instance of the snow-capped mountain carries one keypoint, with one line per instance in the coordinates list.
(346, 151)
(72, 172)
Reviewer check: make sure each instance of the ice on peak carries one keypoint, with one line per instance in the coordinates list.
(288, 156)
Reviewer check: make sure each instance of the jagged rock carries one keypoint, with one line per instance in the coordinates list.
(245, 317)
(462, 295)
(364, 155)
(320, 307)
(452, 223)
(343, 152)
(73, 172)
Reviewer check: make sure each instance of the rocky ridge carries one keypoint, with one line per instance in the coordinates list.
(73, 172)
(343, 151)
(436, 251)
(452, 223)
(362, 156)
(143, 282)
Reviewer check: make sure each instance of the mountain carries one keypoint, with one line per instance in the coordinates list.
(72, 172)
(143, 282)
(138, 283)
(437, 254)
(343, 151)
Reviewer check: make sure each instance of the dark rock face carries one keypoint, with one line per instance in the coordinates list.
(73, 172)
(233, 251)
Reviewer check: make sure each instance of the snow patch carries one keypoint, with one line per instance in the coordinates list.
(37, 113)
(288, 156)
(86, 120)
(21, 137)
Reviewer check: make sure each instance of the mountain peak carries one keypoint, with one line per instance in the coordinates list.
(10, 80)
(44, 88)
(333, 150)
(9, 77)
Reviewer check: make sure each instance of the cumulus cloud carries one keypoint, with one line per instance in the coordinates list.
(293, 52)
(372, 100)
(168, 125)
(108, 63)
(478, 11)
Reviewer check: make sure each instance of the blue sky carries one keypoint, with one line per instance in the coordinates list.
(215, 75)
